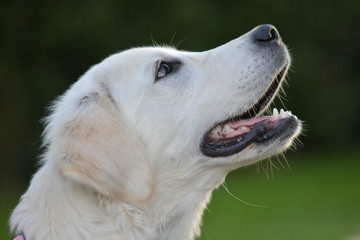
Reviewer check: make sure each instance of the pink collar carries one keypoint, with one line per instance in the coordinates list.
(19, 237)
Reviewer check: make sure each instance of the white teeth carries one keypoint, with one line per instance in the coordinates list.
(227, 129)
(275, 112)
(217, 129)
(222, 130)
(282, 113)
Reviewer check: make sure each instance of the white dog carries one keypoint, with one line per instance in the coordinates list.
(136, 146)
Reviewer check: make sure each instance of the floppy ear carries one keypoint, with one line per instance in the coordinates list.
(99, 148)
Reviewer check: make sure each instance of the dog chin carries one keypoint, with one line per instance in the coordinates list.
(258, 151)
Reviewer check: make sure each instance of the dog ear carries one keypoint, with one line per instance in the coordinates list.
(98, 147)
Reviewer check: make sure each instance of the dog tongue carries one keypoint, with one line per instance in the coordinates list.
(235, 129)
(248, 122)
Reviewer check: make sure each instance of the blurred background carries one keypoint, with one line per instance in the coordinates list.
(46, 45)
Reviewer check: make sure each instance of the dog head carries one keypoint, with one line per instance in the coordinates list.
(154, 108)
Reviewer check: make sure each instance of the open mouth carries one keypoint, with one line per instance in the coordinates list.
(235, 134)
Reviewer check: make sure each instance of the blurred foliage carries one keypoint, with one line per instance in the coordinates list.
(46, 45)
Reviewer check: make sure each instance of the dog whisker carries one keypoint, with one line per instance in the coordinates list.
(240, 200)
(172, 39)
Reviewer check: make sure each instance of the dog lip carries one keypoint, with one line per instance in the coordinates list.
(266, 98)
(282, 128)
(261, 132)
(234, 145)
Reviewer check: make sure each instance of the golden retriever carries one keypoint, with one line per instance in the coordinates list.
(136, 146)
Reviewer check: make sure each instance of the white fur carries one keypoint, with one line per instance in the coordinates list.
(122, 156)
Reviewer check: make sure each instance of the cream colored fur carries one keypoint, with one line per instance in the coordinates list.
(122, 157)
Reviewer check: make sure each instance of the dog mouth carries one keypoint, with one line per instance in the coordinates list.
(235, 134)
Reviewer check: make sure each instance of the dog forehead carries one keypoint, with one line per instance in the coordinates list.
(144, 54)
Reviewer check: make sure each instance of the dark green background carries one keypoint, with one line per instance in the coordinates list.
(46, 45)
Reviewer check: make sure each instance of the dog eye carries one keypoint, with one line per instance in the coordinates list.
(164, 69)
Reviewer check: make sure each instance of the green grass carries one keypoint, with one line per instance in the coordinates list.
(319, 198)
(8, 201)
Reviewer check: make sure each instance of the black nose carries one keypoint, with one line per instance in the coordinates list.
(266, 33)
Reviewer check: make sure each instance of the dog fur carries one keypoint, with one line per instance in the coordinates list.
(122, 157)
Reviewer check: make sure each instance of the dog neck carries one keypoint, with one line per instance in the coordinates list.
(179, 200)
(57, 208)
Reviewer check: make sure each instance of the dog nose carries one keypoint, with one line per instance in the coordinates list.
(266, 33)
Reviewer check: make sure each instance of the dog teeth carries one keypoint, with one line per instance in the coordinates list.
(221, 130)
(282, 113)
(227, 129)
(217, 130)
(275, 112)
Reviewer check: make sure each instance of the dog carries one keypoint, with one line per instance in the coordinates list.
(134, 149)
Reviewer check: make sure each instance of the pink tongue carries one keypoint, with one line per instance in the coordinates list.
(237, 132)
(248, 122)
(240, 127)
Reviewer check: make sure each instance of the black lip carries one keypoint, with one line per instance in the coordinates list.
(227, 148)
(259, 133)
(261, 104)
(230, 147)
